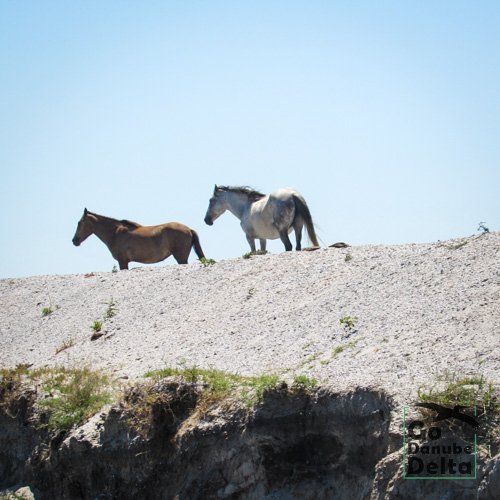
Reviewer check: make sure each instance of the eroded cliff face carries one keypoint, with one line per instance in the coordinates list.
(307, 444)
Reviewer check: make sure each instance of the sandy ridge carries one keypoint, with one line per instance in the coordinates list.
(421, 309)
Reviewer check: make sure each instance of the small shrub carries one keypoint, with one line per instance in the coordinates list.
(114, 269)
(207, 262)
(342, 348)
(219, 385)
(309, 359)
(10, 386)
(338, 350)
(46, 311)
(463, 391)
(72, 395)
(305, 382)
(251, 254)
(97, 326)
(348, 322)
(111, 310)
(78, 394)
(482, 228)
(262, 384)
(348, 257)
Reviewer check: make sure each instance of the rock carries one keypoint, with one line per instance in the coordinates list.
(339, 244)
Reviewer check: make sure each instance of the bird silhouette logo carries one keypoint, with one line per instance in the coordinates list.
(443, 413)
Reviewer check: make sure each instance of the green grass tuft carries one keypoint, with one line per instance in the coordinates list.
(220, 384)
(305, 382)
(348, 322)
(111, 310)
(252, 254)
(465, 391)
(46, 311)
(207, 262)
(77, 394)
(97, 326)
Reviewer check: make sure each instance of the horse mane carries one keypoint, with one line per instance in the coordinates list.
(130, 224)
(124, 222)
(246, 190)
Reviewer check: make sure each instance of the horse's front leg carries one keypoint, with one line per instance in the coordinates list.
(251, 242)
(262, 245)
(123, 265)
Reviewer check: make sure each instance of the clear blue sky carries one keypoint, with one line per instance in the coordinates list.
(385, 115)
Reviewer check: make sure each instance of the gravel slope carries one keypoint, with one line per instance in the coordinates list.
(421, 309)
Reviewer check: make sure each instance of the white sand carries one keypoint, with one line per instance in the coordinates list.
(421, 309)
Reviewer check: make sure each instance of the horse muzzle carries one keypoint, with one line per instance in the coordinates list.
(209, 221)
(76, 242)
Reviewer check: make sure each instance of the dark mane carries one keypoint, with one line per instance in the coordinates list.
(130, 224)
(124, 222)
(250, 192)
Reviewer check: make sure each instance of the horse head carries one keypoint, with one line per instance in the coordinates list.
(216, 206)
(84, 228)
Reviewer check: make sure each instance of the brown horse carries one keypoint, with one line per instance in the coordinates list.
(128, 241)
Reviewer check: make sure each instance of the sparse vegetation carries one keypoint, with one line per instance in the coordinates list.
(250, 293)
(309, 359)
(10, 383)
(97, 326)
(348, 257)
(46, 311)
(252, 254)
(77, 394)
(465, 391)
(114, 269)
(261, 384)
(338, 350)
(14, 373)
(468, 392)
(73, 395)
(207, 262)
(348, 322)
(111, 310)
(482, 228)
(342, 348)
(219, 385)
(305, 382)
(65, 345)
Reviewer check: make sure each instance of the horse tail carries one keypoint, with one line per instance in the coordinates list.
(302, 210)
(196, 244)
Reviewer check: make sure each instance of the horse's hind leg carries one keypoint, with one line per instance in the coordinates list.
(286, 240)
(297, 227)
(262, 245)
(182, 257)
(123, 265)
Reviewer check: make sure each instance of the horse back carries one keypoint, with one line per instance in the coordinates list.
(172, 229)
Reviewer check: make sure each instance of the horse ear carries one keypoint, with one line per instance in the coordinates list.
(85, 212)
(216, 188)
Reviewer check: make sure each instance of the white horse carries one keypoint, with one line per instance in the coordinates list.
(264, 217)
